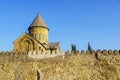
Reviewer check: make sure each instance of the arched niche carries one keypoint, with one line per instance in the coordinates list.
(27, 44)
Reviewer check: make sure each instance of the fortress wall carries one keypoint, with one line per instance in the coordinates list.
(102, 52)
(65, 67)
(12, 56)
(40, 55)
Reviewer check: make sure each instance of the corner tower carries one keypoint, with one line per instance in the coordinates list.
(39, 30)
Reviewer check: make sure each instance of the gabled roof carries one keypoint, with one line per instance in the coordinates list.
(29, 36)
(25, 34)
(38, 21)
(53, 45)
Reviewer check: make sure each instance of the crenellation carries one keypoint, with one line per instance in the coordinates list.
(4, 54)
(115, 52)
(9, 55)
(110, 52)
(82, 52)
(104, 52)
(98, 51)
(93, 52)
(88, 52)
(0, 53)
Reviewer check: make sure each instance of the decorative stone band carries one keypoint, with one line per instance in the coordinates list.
(41, 55)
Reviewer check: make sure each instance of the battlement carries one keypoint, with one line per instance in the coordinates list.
(104, 52)
(54, 64)
(24, 56)
(12, 56)
(16, 56)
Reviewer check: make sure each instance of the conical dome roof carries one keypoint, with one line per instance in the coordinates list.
(38, 21)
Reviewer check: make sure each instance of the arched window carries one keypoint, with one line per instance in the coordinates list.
(27, 45)
(39, 48)
(42, 50)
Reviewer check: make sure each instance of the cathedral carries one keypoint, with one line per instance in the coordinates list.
(36, 39)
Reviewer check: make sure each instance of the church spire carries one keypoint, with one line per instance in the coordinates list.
(38, 22)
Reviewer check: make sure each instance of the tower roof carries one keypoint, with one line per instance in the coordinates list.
(38, 21)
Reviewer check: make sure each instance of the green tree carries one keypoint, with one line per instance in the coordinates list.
(89, 47)
(73, 49)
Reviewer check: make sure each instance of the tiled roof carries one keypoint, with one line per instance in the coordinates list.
(53, 45)
(38, 21)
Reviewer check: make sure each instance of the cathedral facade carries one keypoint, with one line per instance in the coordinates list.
(36, 39)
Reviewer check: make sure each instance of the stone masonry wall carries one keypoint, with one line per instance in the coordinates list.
(79, 65)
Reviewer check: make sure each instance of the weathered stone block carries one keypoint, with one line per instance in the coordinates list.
(88, 52)
(82, 52)
(93, 52)
(104, 52)
(98, 51)
(110, 52)
(115, 52)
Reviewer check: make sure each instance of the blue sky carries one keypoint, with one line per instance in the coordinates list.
(70, 22)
